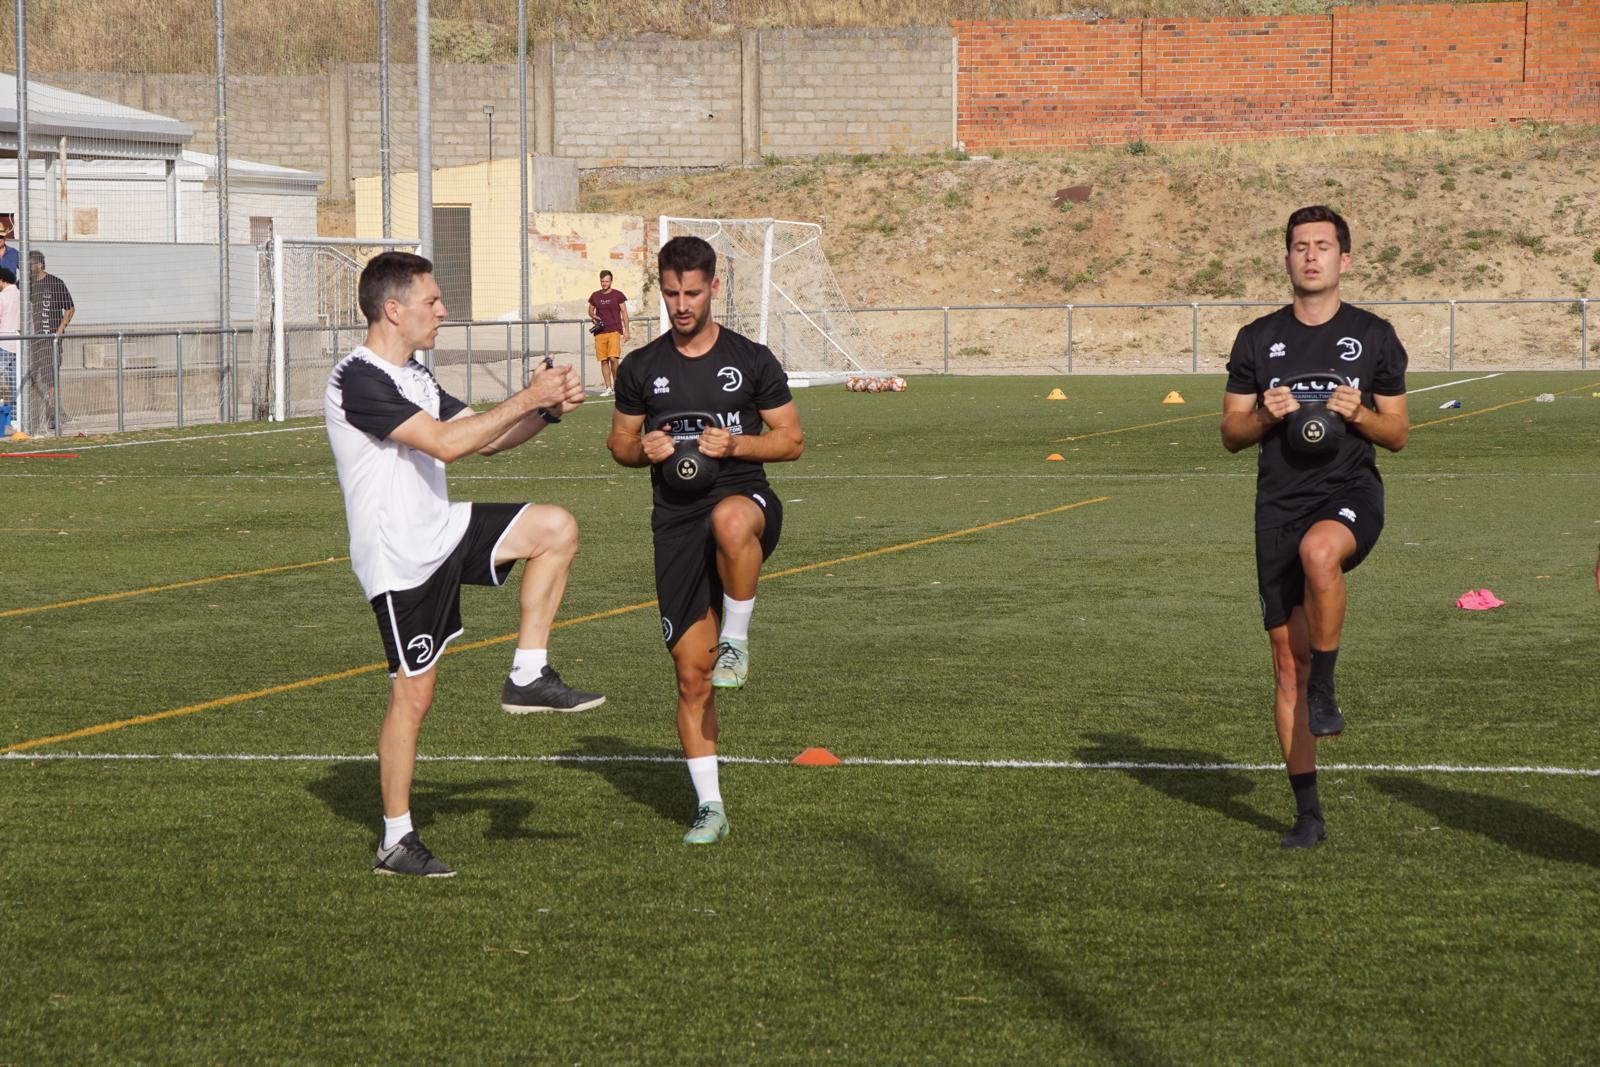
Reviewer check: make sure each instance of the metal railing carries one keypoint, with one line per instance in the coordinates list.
(116, 380)
(1071, 311)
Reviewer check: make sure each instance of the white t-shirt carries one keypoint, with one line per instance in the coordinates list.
(10, 317)
(402, 524)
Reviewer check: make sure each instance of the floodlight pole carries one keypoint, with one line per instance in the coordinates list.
(522, 165)
(424, 135)
(24, 179)
(224, 319)
(383, 115)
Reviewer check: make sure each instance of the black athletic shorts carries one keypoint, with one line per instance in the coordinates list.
(417, 623)
(687, 582)
(1280, 578)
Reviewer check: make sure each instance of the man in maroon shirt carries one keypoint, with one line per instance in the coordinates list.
(608, 308)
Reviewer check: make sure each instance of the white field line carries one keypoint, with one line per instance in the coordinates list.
(1446, 385)
(849, 761)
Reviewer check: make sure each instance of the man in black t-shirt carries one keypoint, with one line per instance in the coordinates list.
(1317, 516)
(704, 388)
(50, 311)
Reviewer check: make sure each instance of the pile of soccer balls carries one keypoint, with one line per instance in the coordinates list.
(864, 383)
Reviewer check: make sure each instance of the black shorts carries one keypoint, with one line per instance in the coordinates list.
(417, 623)
(1280, 578)
(687, 582)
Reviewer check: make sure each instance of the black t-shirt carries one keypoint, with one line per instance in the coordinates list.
(50, 299)
(1354, 343)
(735, 381)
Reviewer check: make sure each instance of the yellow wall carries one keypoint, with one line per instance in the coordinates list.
(566, 252)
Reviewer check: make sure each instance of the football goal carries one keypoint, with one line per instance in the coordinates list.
(310, 314)
(776, 288)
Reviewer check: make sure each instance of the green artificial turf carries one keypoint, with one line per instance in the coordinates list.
(1117, 898)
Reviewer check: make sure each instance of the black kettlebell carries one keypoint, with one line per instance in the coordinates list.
(688, 470)
(1314, 432)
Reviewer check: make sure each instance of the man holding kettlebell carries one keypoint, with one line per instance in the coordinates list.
(1315, 385)
(691, 405)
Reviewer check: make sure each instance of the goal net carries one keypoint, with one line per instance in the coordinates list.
(777, 288)
(308, 316)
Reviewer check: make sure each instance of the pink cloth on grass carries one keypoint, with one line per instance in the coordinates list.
(1478, 600)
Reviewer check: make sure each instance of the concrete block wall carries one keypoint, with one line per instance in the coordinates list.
(648, 102)
(826, 91)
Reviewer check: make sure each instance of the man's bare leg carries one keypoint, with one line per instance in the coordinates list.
(692, 659)
(1323, 552)
(737, 523)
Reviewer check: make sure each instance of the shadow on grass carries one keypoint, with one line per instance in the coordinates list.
(1006, 952)
(1512, 823)
(350, 791)
(1220, 791)
(658, 780)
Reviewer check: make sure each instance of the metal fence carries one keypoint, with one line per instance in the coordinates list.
(119, 380)
(1195, 336)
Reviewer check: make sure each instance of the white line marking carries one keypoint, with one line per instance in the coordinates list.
(850, 761)
(1446, 385)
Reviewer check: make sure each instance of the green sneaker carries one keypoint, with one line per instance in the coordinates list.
(710, 825)
(733, 664)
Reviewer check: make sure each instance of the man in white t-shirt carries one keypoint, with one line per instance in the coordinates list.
(393, 429)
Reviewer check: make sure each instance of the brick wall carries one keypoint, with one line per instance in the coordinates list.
(1359, 70)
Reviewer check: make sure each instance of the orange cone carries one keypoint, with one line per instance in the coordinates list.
(817, 757)
(1056, 394)
(1055, 457)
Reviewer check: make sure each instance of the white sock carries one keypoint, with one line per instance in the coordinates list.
(527, 663)
(736, 618)
(396, 828)
(703, 772)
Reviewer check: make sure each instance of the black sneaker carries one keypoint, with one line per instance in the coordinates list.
(1324, 716)
(1308, 830)
(410, 856)
(546, 693)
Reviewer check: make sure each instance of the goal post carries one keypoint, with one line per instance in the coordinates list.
(777, 287)
(311, 289)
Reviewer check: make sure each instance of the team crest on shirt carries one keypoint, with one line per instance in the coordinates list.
(732, 377)
(1349, 349)
(662, 386)
(422, 648)
(1277, 351)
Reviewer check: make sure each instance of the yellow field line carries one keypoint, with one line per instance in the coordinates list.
(101, 598)
(1497, 407)
(1141, 426)
(305, 683)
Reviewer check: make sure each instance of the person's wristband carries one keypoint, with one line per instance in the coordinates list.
(547, 415)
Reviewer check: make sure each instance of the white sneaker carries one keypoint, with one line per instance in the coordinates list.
(605, 392)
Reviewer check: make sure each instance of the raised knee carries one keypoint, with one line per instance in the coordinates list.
(561, 530)
(1320, 560)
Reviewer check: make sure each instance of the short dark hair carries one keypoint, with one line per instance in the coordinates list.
(684, 254)
(605, 274)
(1317, 213)
(387, 277)
(35, 254)
(8, 276)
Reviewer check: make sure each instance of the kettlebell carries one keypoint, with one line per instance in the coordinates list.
(1313, 432)
(688, 470)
